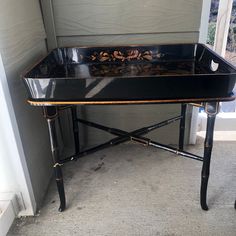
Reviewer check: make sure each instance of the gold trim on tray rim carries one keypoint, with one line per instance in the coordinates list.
(124, 102)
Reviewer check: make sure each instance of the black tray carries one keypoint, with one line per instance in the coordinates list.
(131, 73)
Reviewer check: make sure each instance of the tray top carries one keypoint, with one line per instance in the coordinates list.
(130, 73)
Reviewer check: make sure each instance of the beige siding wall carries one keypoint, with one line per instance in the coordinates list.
(104, 40)
(122, 22)
(89, 17)
(22, 42)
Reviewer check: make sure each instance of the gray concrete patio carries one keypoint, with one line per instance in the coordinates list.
(134, 190)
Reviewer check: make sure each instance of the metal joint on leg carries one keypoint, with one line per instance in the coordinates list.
(196, 104)
(145, 142)
(57, 164)
(211, 108)
(50, 113)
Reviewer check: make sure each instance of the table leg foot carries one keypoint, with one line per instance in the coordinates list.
(211, 110)
(203, 196)
(60, 188)
(62, 206)
(51, 114)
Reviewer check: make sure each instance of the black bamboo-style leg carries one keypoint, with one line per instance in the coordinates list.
(182, 126)
(51, 115)
(235, 205)
(75, 129)
(211, 110)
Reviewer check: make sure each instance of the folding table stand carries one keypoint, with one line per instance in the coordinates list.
(51, 113)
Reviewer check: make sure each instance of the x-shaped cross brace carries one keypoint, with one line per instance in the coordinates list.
(134, 136)
(51, 114)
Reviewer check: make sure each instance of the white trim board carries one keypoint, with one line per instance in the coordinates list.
(8, 211)
(220, 135)
(7, 216)
(14, 175)
(224, 121)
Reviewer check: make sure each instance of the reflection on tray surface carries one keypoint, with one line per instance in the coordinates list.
(117, 69)
(157, 72)
(143, 61)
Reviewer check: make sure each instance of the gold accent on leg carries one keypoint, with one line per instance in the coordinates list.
(57, 164)
(140, 141)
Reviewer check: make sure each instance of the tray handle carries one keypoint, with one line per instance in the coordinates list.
(214, 66)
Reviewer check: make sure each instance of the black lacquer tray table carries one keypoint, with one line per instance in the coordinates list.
(189, 74)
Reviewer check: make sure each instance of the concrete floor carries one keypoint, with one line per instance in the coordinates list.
(134, 190)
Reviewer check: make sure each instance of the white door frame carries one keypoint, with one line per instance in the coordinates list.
(206, 6)
(14, 174)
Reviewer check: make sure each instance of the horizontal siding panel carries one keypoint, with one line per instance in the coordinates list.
(129, 118)
(128, 39)
(15, 45)
(19, 32)
(89, 17)
(22, 43)
(30, 122)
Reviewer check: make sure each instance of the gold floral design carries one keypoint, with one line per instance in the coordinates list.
(129, 55)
